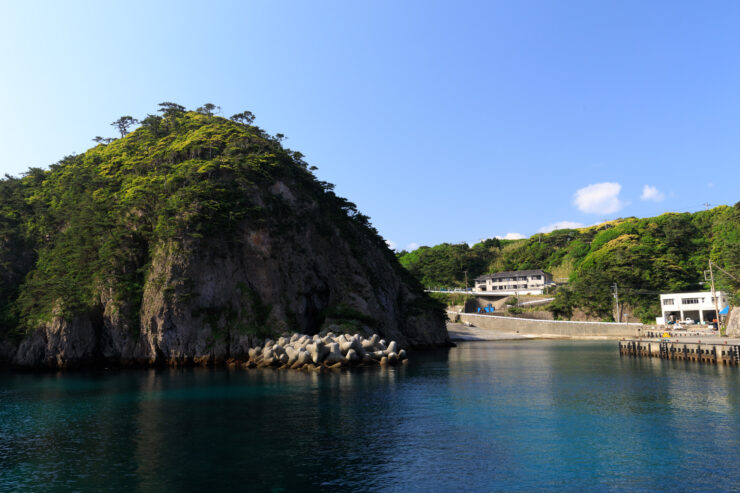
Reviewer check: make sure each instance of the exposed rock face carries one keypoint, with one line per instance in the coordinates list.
(208, 303)
(59, 344)
(186, 242)
(733, 323)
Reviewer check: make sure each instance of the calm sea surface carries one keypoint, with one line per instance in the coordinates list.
(482, 416)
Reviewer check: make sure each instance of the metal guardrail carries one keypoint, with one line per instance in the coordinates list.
(544, 300)
(466, 291)
(508, 292)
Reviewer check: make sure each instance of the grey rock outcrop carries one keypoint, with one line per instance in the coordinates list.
(733, 323)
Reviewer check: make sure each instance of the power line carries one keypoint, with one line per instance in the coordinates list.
(720, 268)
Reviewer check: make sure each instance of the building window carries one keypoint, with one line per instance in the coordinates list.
(690, 301)
(537, 277)
(668, 301)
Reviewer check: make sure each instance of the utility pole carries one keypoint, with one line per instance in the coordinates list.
(714, 296)
(466, 280)
(616, 297)
(706, 205)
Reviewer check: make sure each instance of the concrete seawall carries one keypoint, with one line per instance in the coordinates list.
(550, 328)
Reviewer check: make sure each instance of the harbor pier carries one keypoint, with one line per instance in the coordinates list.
(711, 350)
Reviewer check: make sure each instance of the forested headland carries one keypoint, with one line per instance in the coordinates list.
(186, 239)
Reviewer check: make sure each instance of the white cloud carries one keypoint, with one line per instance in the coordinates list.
(560, 225)
(511, 236)
(412, 246)
(599, 198)
(391, 244)
(652, 193)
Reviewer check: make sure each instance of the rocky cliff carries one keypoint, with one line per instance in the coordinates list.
(187, 242)
(733, 323)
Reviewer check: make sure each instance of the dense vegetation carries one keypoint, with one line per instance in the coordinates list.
(447, 264)
(642, 256)
(89, 224)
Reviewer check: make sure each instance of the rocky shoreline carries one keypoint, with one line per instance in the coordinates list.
(314, 353)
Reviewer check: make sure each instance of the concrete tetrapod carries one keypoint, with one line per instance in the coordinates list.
(314, 353)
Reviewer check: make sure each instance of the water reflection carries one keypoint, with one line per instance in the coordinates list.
(482, 416)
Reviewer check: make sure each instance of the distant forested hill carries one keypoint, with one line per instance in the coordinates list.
(643, 256)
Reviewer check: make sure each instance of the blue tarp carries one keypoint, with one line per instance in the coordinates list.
(725, 310)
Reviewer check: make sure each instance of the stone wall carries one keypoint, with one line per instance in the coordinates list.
(533, 315)
(558, 328)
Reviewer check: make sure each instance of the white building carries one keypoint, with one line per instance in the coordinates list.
(514, 282)
(699, 307)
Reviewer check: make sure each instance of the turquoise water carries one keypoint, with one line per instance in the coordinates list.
(483, 416)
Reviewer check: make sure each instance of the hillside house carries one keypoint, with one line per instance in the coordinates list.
(514, 282)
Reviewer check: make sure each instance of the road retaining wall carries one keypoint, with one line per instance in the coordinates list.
(560, 328)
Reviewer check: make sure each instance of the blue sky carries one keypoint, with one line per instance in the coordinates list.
(442, 121)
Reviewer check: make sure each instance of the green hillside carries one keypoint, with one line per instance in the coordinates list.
(643, 256)
(118, 235)
(91, 220)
